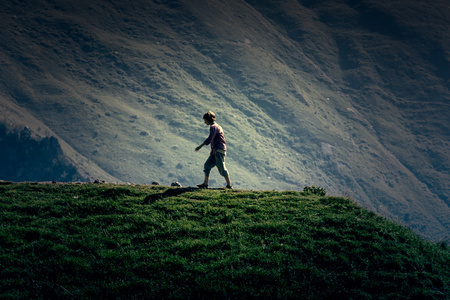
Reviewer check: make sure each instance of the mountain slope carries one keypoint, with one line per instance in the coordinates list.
(350, 96)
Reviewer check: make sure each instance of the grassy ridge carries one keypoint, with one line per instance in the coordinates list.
(77, 241)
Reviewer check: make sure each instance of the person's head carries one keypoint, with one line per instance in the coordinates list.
(209, 117)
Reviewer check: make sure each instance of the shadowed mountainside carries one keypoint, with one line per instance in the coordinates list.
(24, 156)
(348, 95)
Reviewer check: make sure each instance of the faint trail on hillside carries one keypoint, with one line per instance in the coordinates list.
(360, 117)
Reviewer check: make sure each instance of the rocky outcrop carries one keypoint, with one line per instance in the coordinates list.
(25, 156)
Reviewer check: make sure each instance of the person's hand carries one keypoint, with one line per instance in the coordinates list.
(198, 148)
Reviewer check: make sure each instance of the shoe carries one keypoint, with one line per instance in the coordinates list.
(202, 186)
(229, 187)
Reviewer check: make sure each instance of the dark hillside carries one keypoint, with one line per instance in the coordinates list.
(351, 96)
(27, 157)
(134, 241)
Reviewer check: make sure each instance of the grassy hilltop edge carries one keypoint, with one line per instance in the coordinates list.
(141, 241)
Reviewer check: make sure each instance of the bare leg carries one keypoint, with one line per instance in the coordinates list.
(227, 179)
(205, 183)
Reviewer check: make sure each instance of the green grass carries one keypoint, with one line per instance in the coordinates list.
(134, 241)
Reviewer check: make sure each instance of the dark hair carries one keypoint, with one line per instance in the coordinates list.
(209, 116)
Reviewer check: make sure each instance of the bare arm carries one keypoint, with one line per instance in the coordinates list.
(199, 147)
(212, 133)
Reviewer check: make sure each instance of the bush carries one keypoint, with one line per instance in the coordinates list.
(314, 190)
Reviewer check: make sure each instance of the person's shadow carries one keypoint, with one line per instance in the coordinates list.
(171, 192)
